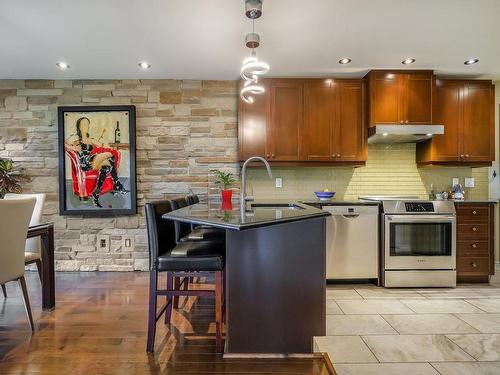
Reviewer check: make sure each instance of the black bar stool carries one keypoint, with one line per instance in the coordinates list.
(184, 259)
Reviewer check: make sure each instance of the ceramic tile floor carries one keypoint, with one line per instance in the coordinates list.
(373, 330)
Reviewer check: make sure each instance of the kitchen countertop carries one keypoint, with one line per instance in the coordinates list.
(339, 202)
(476, 201)
(273, 213)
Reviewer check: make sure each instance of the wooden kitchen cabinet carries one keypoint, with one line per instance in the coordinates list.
(475, 241)
(285, 127)
(305, 122)
(466, 109)
(400, 97)
(252, 123)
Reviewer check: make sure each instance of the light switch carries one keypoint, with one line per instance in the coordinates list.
(470, 182)
(455, 181)
(279, 182)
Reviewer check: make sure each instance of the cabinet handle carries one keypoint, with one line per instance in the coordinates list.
(474, 229)
(267, 156)
(473, 264)
(401, 122)
(272, 155)
(467, 155)
(333, 156)
(461, 156)
(474, 245)
(406, 122)
(338, 155)
(474, 212)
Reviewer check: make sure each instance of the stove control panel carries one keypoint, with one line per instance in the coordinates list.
(419, 207)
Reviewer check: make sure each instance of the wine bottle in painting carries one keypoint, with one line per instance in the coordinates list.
(117, 132)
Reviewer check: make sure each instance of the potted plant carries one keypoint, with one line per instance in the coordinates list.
(224, 180)
(10, 178)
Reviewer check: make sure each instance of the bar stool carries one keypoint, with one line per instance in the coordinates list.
(183, 259)
(187, 232)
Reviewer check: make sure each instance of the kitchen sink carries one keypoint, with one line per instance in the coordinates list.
(288, 206)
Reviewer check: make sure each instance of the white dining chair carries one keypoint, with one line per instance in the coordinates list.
(15, 217)
(33, 245)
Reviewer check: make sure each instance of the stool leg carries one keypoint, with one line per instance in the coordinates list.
(177, 286)
(153, 286)
(4, 291)
(218, 312)
(168, 311)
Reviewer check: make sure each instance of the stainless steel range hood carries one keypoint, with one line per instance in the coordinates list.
(403, 133)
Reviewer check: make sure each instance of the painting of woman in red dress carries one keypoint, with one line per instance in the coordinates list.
(98, 161)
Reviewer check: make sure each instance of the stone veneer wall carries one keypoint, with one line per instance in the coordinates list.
(184, 128)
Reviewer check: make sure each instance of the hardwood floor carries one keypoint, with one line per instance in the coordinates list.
(99, 327)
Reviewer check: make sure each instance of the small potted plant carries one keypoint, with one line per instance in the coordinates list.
(224, 180)
(10, 178)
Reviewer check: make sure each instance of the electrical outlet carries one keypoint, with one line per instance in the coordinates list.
(455, 181)
(128, 242)
(279, 182)
(470, 182)
(102, 242)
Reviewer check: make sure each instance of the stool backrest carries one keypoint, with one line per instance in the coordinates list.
(15, 217)
(183, 229)
(161, 233)
(192, 199)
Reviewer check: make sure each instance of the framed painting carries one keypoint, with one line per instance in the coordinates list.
(97, 160)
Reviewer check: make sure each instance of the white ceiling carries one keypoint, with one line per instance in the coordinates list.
(204, 39)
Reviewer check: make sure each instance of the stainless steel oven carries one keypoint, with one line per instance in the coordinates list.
(418, 244)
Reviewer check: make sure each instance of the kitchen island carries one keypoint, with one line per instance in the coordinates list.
(275, 275)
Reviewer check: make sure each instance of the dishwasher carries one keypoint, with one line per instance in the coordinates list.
(352, 242)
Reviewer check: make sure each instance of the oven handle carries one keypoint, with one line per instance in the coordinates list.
(421, 218)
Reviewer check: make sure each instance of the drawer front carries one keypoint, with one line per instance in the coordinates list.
(473, 231)
(473, 248)
(473, 265)
(472, 213)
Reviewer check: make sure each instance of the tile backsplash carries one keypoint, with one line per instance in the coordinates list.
(390, 169)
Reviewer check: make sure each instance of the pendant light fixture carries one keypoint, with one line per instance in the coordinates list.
(252, 68)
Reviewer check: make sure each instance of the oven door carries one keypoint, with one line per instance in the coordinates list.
(420, 242)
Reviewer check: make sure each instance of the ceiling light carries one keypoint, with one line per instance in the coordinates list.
(62, 65)
(408, 61)
(471, 61)
(144, 65)
(385, 134)
(345, 60)
(253, 8)
(429, 134)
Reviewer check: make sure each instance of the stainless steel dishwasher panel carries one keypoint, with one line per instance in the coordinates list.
(352, 242)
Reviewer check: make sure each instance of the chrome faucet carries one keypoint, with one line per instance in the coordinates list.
(243, 196)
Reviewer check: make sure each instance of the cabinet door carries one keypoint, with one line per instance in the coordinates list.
(318, 127)
(286, 120)
(447, 112)
(478, 124)
(252, 124)
(417, 94)
(350, 127)
(385, 100)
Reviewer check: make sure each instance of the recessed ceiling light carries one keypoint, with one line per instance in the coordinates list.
(385, 134)
(429, 134)
(408, 61)
(144, 65)
(62, 65)
(471, 61)
(345, 60)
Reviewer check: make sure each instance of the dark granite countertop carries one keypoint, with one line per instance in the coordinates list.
(264, 214)
(479, 201)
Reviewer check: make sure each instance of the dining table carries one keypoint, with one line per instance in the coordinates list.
(46, 234)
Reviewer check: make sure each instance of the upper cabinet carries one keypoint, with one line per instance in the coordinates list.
(400, 97)
(285, 126)
(466, 109)
(305, 121)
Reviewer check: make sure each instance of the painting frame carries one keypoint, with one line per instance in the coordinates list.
(131, 146)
